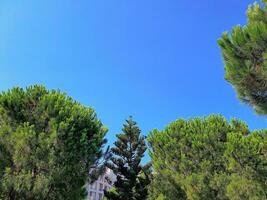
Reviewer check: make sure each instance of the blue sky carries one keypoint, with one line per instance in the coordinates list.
(153, 59)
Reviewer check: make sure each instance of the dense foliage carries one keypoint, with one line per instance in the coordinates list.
(132, 178)
(48, 142)
(208, 158)
(245, 56)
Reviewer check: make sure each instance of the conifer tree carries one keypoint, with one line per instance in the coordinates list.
(208, 158)
(245, 55)
(48, 144)
(132, 177)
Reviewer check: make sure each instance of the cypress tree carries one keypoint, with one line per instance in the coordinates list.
(132, 177)
(244, 52)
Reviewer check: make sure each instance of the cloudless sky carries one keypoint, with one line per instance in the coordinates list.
(157, 60)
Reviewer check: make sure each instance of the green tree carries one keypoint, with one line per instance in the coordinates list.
(245, 56)
(208, 158)
(48, 143)
(132, 178)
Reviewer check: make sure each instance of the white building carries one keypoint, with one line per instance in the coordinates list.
(104, 182)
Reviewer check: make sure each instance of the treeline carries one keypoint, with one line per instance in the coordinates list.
(49, 142)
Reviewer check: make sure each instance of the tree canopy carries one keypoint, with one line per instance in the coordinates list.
(208, 158)
(245, 56)
(48, 143)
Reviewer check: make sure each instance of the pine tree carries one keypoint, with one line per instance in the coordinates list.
(245, 56)
(208, 158)
(132, 177)
(48, 144)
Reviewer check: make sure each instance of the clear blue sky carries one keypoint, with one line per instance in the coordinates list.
(157, 60)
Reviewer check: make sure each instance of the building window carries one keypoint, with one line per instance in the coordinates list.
(94, 196)
(95, 186)
(100, 186)
(100, 196)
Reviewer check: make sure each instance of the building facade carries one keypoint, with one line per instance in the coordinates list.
(95, 190)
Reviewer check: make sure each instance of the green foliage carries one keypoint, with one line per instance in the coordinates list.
(208, 158)
(245, 56)
(132, 178)
(48, 143)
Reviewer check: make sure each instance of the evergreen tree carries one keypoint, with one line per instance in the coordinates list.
(208, 159)
(245, 57)
(48, 144)
(132, 178)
